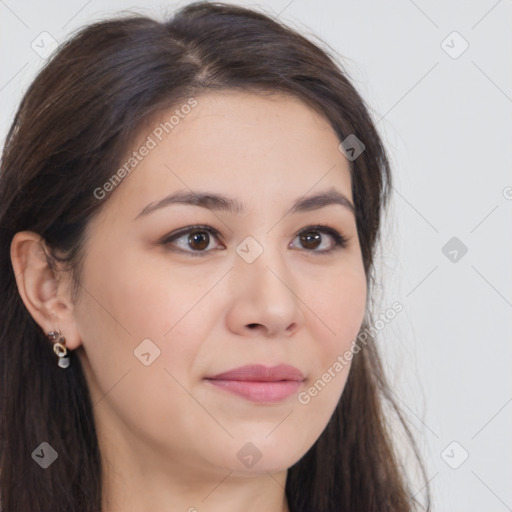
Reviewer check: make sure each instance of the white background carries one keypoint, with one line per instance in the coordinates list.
(447, 125)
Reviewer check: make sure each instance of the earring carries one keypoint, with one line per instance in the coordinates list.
(59, 347)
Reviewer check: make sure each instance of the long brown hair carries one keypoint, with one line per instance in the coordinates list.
(76, 119)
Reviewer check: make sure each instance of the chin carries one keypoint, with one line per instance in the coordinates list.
(256, 458)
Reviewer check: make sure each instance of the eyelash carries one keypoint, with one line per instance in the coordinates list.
(340, 241)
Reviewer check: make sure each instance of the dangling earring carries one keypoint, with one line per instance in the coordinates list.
(59, 347)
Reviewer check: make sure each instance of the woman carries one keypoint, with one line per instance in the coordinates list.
(189, 213)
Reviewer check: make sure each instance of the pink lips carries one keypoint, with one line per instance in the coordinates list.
(260, 383)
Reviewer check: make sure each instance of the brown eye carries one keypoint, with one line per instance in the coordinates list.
(320, 239)
(311, 239)
(199, 240)
(193, 240)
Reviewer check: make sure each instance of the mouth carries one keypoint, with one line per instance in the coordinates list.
(259, 383)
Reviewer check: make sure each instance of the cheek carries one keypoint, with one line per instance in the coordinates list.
(141, 297)
(341, 304)
(121, 321)
(131, 300)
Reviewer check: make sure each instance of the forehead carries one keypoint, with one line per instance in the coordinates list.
(253, 147)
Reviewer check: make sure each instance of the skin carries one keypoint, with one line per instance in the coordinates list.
(168, 438)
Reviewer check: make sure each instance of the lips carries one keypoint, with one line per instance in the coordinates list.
(259, 383)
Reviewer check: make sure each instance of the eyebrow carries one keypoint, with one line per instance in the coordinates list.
(219, 202)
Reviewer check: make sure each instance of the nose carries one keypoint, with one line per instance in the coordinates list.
(264, 300)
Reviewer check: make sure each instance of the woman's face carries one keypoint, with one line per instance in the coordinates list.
(166, 308)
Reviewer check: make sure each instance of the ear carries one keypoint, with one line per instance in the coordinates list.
(44, 292)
